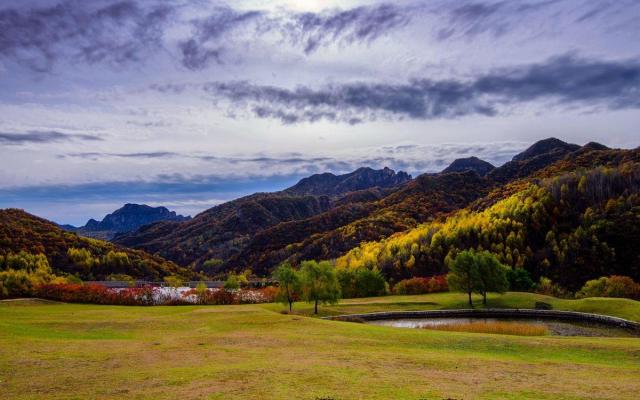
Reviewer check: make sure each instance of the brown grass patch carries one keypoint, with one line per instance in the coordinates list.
(502, 328)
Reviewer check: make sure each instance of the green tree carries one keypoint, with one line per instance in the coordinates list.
(492, 275)
(21, 273)
(117, 261)
(361, 282)
(319, 283)
(464, 273)
(288, 284)
(201, 292)
(519, 279)
(232, 282)
(212, 265)
(174, 281)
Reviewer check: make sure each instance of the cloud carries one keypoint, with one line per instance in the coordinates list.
(120, 32)
(197, 51)
(412, 158)
(360, 24)
(97, 155)
(566, 80)
(9, 138)
(264, 161)
(469, 19)
(115, 32)
(211, 36)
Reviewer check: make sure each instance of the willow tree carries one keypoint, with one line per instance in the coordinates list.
(319, 283)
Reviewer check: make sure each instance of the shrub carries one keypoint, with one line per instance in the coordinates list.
(97, 294)
(594, 288)
(519, 279)
(419, 285)
(236, 281)
(362, 282)
(547, 287)
(613, 286)
(269, 293)
(622, 286)
(541, 305)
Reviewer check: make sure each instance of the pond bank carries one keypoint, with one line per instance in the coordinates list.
(516, 313)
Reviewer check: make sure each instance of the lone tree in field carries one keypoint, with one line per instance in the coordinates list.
(288, 284)
(478, 272)
(464, 273)
(319, 283)
(492, 275)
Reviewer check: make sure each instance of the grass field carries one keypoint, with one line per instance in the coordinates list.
(72, 351)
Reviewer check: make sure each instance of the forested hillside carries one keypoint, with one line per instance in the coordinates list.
(68, 253)
(570, 228)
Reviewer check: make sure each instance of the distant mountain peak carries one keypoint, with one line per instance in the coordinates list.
(595, 146)
(469, 164)
(545, 146)
(362, 178)
(128, 218)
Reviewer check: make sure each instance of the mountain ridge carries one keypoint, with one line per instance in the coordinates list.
(127, 218)
(347, 219)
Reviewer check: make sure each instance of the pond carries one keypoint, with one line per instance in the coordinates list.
(554, 327)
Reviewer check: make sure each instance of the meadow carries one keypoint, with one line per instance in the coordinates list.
(77, 351)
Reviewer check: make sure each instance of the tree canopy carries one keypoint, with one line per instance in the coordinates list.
(319, 283)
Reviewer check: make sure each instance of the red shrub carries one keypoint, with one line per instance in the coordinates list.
(96, 294)
(269, 293)
(421, 285)
(622, 286)
(221, 297)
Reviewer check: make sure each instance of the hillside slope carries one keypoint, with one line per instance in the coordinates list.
(224, 231)
(570, 227)
(21, 231)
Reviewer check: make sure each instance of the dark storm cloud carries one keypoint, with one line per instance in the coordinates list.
(566, 80)
(113, 32)
(10, 138)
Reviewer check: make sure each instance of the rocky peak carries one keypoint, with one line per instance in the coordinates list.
(481, 167)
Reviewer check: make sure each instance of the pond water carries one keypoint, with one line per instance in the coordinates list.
(555, 327)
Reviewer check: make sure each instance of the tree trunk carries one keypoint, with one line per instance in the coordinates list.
(484, 298)
(290, 305)
(470, 302)
(316, 307)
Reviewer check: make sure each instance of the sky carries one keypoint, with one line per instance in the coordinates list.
(188, 104)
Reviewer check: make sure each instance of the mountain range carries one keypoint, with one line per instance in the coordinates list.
(324, 216)
(344, 217)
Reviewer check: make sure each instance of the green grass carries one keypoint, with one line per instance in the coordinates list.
(72, 351)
